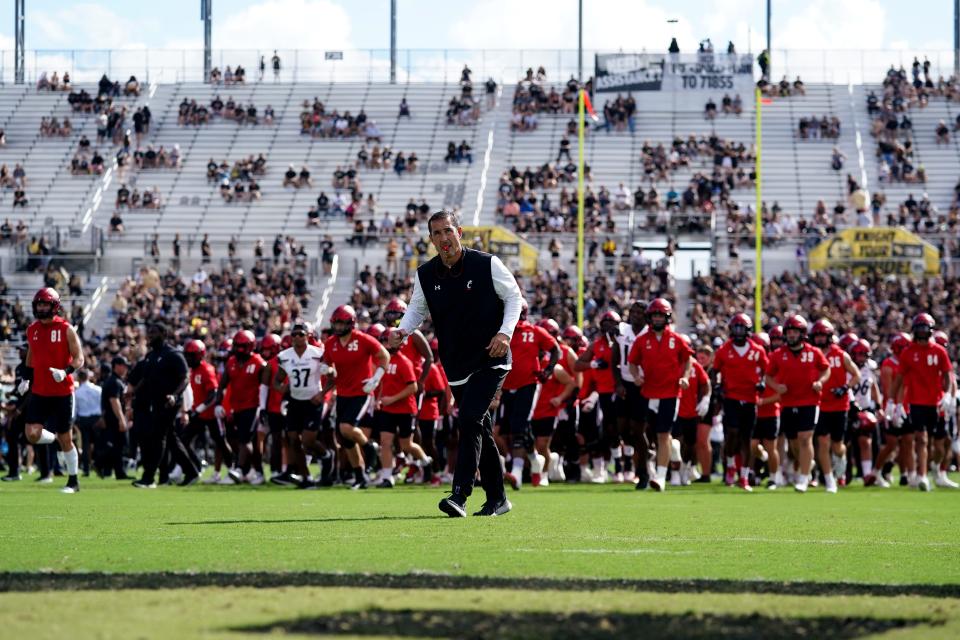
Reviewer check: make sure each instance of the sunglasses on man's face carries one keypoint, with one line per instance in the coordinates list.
(298, 334)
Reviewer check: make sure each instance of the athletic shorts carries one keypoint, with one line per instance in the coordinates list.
(662, 414)
(833, 424)
(518, 408)
(350, 409)
(429, 429)
(634, 405)
(276, 422)
(686, 428)
(399, 424)
(243, 424)
(797, 419)
(740, 416)
(303, 415)
(53, 412)
(544, 427)
(767, 428)
(609, 408)
(589, 428)
(923, 418)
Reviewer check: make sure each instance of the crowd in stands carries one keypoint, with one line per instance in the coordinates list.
(813, 128)
(15, 180)
(728, 106)
(13, 234)
(531, 97)
(158, 158)
(136, 199)
(228, 76)
(291, 178)
(53, 82)
(893, 128)
(459, 152)
(463, 109)
(237, 182)
(53, 127)
(193, 113)
(316, 121)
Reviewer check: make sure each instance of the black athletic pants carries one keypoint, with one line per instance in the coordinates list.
(159, 434)
(477, 449)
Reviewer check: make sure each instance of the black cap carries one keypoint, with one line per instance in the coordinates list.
(118, 359)
(300, 325)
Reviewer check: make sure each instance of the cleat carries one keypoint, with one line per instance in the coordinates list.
(675, 479)
(730, 477)
(190, 480)
(801, 486)
(435, 481)
(360, 484)
(44, 480)
(495, 508)
(139, 484)
(923, 484)
(385, 484)
(454, 506)
(629, 476)
(882, 482)
(870, 480)
(942, 481)
(306, 484)
(11, 478)
(771, 485)
(831, 488)
(535, 479)
(618, 477)
(512, 480)
(282, 479)
(655, 484)
(544, 481)
(599, 478)
(903, 480)
(744, 484)
(234, 475)
(72, 487)
(704, 479)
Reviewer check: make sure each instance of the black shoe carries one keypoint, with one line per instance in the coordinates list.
(140, 484)
(454, 506)
(361, 483)
(72, 487)
(642, 482)
(498, 508)
(121, 476)
(903, 480)
(283, 479)
(704, 479)
(306, 483)
(190, 480)
(11, 478)
(385, 484)
(47, 479)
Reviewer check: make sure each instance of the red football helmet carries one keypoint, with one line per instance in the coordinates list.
(376, 330)
(822, 327)
(923, 320)
(395, 306)
(51, 297)
(763, 339)
(775, 333)
(343, 313)
(660, 305)
(847, 340)
(861, 348)
(387, 333)
(243, 342)
(286, 342)
(868, 421)
(572, 333)
(941, 338)
(899, 342)
(795, 322)
(551, 326)
(741, 320)
(270, 346)
(195, 346)
(226, 346)
(610, 316)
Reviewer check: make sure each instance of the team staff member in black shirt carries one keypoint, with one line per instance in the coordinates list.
(475, 303)
(14, 406)
(113, 408)
(162, 377)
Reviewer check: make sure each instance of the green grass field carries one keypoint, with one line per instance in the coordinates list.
(569, 561)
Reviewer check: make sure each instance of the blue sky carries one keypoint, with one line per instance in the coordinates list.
(508, 24)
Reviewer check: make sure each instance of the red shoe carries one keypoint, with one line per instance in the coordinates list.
(842, 481)
(435, 481)
(730, 478)
(745, 484)
(534, 479)
(512, 480)
(870, 480)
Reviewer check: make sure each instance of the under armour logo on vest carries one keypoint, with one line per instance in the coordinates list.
(436, 287)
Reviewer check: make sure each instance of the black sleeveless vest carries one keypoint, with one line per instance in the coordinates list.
(466, 312)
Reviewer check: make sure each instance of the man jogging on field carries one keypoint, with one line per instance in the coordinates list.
(474, 302)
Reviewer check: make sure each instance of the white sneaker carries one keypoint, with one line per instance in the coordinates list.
(831, 487)
(586, 475)
(214, 479)
(923, 483)
(618, 477)
(674, 479)
(630, 477)
(176, 475)
(802, 484)
(599, 478)
(944, 481)
(544, 480)
(256, 479)
(882, 482)
(227, 481)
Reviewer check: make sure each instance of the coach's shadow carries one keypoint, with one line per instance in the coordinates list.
(306, 520)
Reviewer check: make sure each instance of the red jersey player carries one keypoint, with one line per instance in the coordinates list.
(520, 389)
(415, 346)
(661, 363)
(742, 365)
(269, 350)
(768, 425)
(553, 397)
(798, 371)
(204, 384)
(925, 369)
(245, 374)
(831, 428)
(53, 354)
(694, 406)
(598, 359)
(352, 353)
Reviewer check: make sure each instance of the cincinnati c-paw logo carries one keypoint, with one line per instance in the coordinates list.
(469, 284)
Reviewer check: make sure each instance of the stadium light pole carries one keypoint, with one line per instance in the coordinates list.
(956, 37)
(580, 41)
(769, 50)
(19, 17)
(206, 7)
(393, 41)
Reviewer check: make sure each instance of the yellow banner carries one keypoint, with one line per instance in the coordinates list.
(516, 253)
(867, 249)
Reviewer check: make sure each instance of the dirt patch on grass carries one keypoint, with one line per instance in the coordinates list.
(584, 626)
(29, 581)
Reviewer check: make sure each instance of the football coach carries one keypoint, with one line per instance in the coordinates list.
(474, 303)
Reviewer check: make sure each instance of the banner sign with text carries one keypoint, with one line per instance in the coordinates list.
(617, 72)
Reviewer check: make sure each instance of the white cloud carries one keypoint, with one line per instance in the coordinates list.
(284, 24)
(828, 24)
(101, 28)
